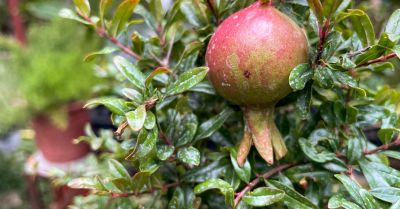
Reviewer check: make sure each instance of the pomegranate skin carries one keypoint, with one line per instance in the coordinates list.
(252, 53)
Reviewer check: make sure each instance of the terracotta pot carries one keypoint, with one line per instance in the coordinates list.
(56, 143)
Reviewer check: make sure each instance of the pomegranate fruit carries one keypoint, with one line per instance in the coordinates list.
(250, 57)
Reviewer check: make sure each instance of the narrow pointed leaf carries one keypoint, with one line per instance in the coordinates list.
(115, 105)
(207, 128)
(263, 196)
(130, 71)
(187, 80)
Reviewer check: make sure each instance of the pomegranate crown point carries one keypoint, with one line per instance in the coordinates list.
(268, 2)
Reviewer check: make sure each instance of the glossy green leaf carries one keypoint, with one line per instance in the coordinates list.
(164, 151)
(136, 118)
(338, 201)
(187, 80)
(189, 155)
(117, 170)
(393, 27)
(395, 205)
(391, 175)
(392, 154)
(263, 196)
(122, 15)
(303, 103)
(361, 24)
(106, 50)
(140, 180)
(317, 8)
(69, 14)
(130, 71)
(220, 184)
(83, 7)
(310, 151)
(190, 12)
(150, 121)
(209, 171)
(330, 7)
(207, 128)
(360, 195)
(135, 96)
(146, 144)
(103, 7)
(244, 172)
(388, 194)
(396, 50)
(115, 105)
(299, 76)
(374, 178)
(324, 77)
(292, 198)
(355, 148)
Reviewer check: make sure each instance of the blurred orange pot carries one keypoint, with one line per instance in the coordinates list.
(56, 143)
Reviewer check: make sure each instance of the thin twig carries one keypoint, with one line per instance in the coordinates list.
(379, 59)
(353, 54)
(102, 32)
(383, 147)
(121, 129)
(257, 180)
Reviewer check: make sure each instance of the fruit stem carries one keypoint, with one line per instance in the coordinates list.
(269, 2)
(266, 136)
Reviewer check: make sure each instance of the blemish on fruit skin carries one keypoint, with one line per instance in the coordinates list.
(247, 74)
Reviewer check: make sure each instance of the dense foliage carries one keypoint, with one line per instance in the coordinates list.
(46, 74)
(176, 142)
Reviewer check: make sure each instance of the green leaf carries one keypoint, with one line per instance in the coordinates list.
(157, 71)
(209, 171)
(393, 25)
(338, 201)
(391, 175)
(122, 15)
(263, 196)
(310, 151)
(146, 142)
(361, 24)
(220, 184)
(190, 12)
(187, 80)
(115, 105)
(131, 72)
(83, 7)
(360, 195)
(140, 180)
(292, 198)
(150, 121)
(135, 96)
(164, 151)
(69, 14)
(189, 155)
(103, 7)
(374, 178)
(388, 194)
(83, 183)
(355, 148)
(106, 50)
(396, 50)
(299, 76)
(207, 128)
(244, 173)
(317, 8)
(303, 103)
(395, 205)
(324, 77)
(330, 7)
(136, 118)
(117, 170)
(391, 153)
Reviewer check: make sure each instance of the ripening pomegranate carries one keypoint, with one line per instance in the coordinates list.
(250, 57)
